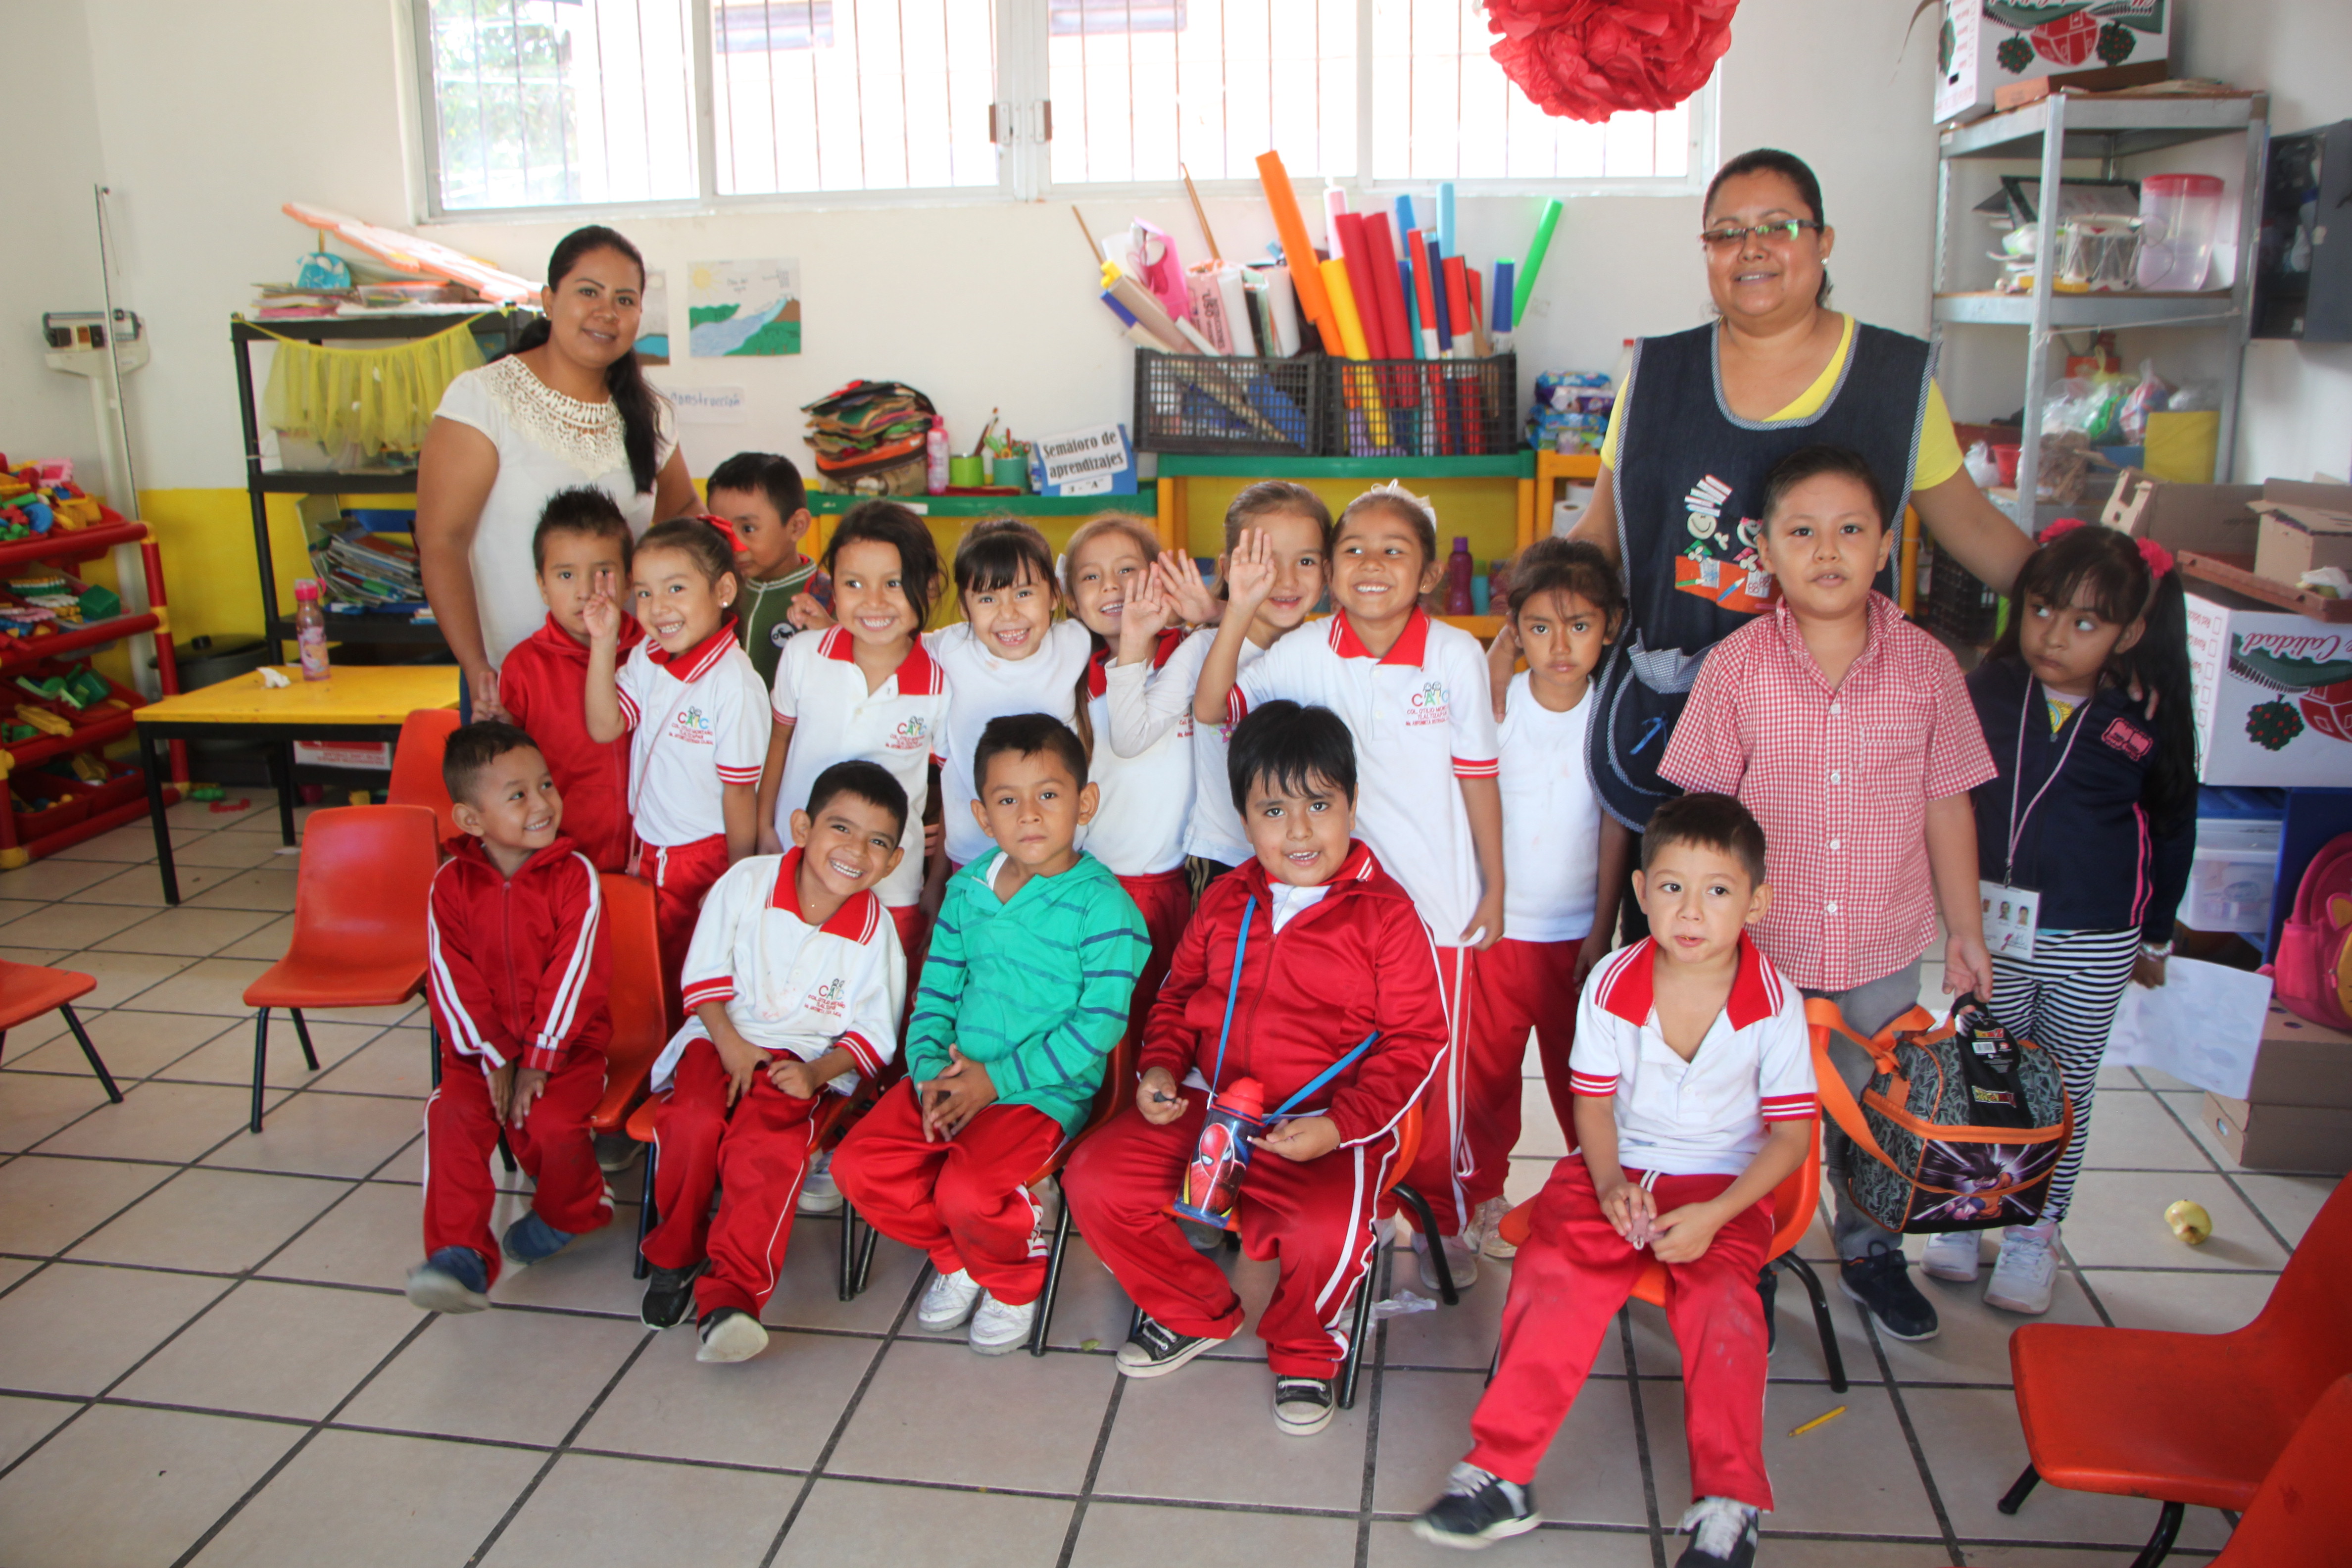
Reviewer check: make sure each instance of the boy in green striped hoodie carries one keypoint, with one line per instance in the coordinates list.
(1025, 994)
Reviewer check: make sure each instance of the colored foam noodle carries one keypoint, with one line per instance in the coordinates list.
(1363, 282)
(1526, 283)
(1299, 250)
(1465, 389)
(1506, 316)
(1361, 393)
(1404, 383)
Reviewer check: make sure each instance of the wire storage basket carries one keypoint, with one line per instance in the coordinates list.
(1228, 405)
(1422, 407)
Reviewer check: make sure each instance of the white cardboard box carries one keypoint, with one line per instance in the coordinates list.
(2274, 693)
(1986, 44)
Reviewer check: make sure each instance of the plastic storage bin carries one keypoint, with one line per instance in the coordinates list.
(1228, 405)
(2177, 215)
(2233, 875)
(1422, 408)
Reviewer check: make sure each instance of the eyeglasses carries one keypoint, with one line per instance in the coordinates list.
(1785, 231)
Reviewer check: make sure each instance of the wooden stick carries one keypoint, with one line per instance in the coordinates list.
(1092, 244)
(1200, 214)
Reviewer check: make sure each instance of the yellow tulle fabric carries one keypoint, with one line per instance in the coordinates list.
(382, 398)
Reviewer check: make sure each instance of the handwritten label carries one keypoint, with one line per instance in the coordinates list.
(709, 404)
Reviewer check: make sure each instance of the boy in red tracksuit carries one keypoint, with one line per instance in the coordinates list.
(1340, 1020)
(581, 536)
(518, 964)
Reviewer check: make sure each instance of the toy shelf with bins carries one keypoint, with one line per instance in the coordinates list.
(81, 810)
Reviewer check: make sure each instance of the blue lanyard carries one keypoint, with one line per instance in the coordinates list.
(1225, 1030)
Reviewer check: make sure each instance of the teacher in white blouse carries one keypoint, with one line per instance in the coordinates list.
(571, 406)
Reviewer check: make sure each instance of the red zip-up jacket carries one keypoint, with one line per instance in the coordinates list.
(1358, 960)
(517, 965)
(542, 686)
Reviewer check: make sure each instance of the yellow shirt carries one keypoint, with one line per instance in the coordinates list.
(1940, 450)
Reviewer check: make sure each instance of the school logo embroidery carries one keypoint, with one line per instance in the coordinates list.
(693, 726)
(2127, 738)
(826, 1001)
(911, 735)
(1428, 705)
(781, 633)
(1720, 562)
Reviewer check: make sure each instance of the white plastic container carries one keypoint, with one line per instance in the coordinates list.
(2178, 216)
(2233, 875)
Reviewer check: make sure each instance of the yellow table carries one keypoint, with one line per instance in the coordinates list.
(358, 702)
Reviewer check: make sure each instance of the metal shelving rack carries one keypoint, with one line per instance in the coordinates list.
(2052, 131)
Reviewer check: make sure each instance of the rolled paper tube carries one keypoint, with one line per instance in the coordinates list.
(1503, 303)
(1423, 295)
(1458, 317)
(1335, 208)
(1411, 306)
(1457, 309)
(1395, 328)
(1363, 282)
(1479, 345)
(1138, 302)
(1404, 217)
(1351, 339)
(1297, 249)
(1445, 216)
(1526, 284)
(1437, 291)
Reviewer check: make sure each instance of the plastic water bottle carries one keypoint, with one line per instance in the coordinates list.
(310, 629)
(1460, 570)
(935, 457)
(1212, 1181)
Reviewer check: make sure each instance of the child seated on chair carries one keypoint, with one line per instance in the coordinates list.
(794, 983)
(517, 966)
(1341, 1026)
(1024, 997)
(1694, 1078)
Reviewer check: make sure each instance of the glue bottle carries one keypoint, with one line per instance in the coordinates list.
(1213, 1181)
(310, 629)
(935, 457)
(1459, 571)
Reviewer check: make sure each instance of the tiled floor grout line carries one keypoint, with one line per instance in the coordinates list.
(1379, 1353)
(1642, 1436)
(1094, 1469)
(2231, 1179)
(555, 1455)
(1910, 1433)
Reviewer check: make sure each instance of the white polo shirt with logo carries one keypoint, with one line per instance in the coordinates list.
(1146, 794)
(1706, 1116)
(820, 692)
(1423, 719)
(986, 687)
(698, 722)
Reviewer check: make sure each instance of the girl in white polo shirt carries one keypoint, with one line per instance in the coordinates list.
(694, 709)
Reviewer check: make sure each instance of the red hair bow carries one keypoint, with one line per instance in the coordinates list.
(1588, 60)
(2159, 559)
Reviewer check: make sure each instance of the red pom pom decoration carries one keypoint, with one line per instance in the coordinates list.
(1588, 60)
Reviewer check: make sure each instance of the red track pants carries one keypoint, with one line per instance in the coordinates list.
(758, 1151)
(962, 1201)
(1314, 1219)
(1165, 900)
(1440, 1171)
(1522, 985)
(461, 1130)
(1569, 1281)
(681, 874)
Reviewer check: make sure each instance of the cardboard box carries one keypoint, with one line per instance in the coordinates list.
(2302, 1063)
(2216, 520)
(2089, 44)
(2273, 694)
(2292, 539)
(2281, 1137)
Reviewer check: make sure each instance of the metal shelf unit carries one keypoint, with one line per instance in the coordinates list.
(2052, 131)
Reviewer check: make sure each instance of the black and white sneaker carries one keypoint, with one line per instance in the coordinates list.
(1477, 1510)
(1304, 1406)
(731, 1334)
(669, 1296)
(1881, 1281)
(1722, 1532)
(1158, 1349)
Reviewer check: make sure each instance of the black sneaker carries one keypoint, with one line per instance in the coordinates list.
(1881, 1281)
(1158, 1349)
(1722, 1532)
(669, 1296)
(1477, 1510)
(1304, 1406)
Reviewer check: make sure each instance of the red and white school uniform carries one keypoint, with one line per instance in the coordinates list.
(1144, 802)
(516, 973)
(986, 687)
(900, 724)
(788, 987)
(542, 686)
(1423, 719)
(1551, 842)
(1695, 1126)
(698, 722)
(1323, 967)
(1143, 709)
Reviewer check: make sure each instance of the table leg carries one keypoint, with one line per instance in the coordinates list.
(281, 777)
(156, 814)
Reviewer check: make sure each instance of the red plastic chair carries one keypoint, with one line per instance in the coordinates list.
(416, 766)
(27, 990)
(359, 923)
(2298, 1515)
(2189, 1418)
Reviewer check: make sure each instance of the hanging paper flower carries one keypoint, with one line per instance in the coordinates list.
(1588, 60)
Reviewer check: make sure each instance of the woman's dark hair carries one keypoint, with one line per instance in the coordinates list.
(868, 781)
(887, 522)
(711, 546)
(775, 477)
(624, 378)
(1290, 747)
(997, 551)
(2106, 569)
(1790, 167)
(1027, 735)
(583, 510)
(1812, 463)
(1568, 566)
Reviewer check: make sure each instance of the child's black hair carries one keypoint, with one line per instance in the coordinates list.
(997, 551)
(772, 476)
(1572, 567)
(868, 781)
(1027, 735)
(1290, 747)
(887, 522)
(582, 509)
(1712, 821)
(1812, 463)
(711, 546)
(1406, 505)
(2109, 569)
(473, 747)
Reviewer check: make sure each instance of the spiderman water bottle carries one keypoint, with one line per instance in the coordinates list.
(1213, 1180)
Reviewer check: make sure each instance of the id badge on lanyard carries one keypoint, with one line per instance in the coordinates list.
(2011, 913)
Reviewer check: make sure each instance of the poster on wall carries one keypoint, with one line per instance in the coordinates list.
(653, 321)
(743, 308)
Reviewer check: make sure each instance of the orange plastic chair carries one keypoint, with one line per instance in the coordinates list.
(359, 923)
(416, 766)
(2298, 1515)
(28, 989)
(2189, 1418)
(634, 999)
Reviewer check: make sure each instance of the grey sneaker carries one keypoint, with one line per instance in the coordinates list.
(946, 1302)
(1952, 1256)
(730, 1334)
(2027, 1270)
(1487, 1224)
(1461, 1261)
(454, 1279)
(818, 1194)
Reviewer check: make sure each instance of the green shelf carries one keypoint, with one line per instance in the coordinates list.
(1143, 501)
(1518, 465)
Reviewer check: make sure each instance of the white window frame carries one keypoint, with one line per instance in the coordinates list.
(1022, 115)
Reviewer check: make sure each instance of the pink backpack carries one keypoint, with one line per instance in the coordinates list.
(2312, 971)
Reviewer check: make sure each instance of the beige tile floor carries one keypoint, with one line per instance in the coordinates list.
(205, 1356)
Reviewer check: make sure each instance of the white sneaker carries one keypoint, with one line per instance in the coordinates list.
(1951, 1255)
(2027, 1269)
(947, 1302)
(1486, 1224)
(1461, 1261)
(818, 1194)
(999, 1330)
(731, 1336)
